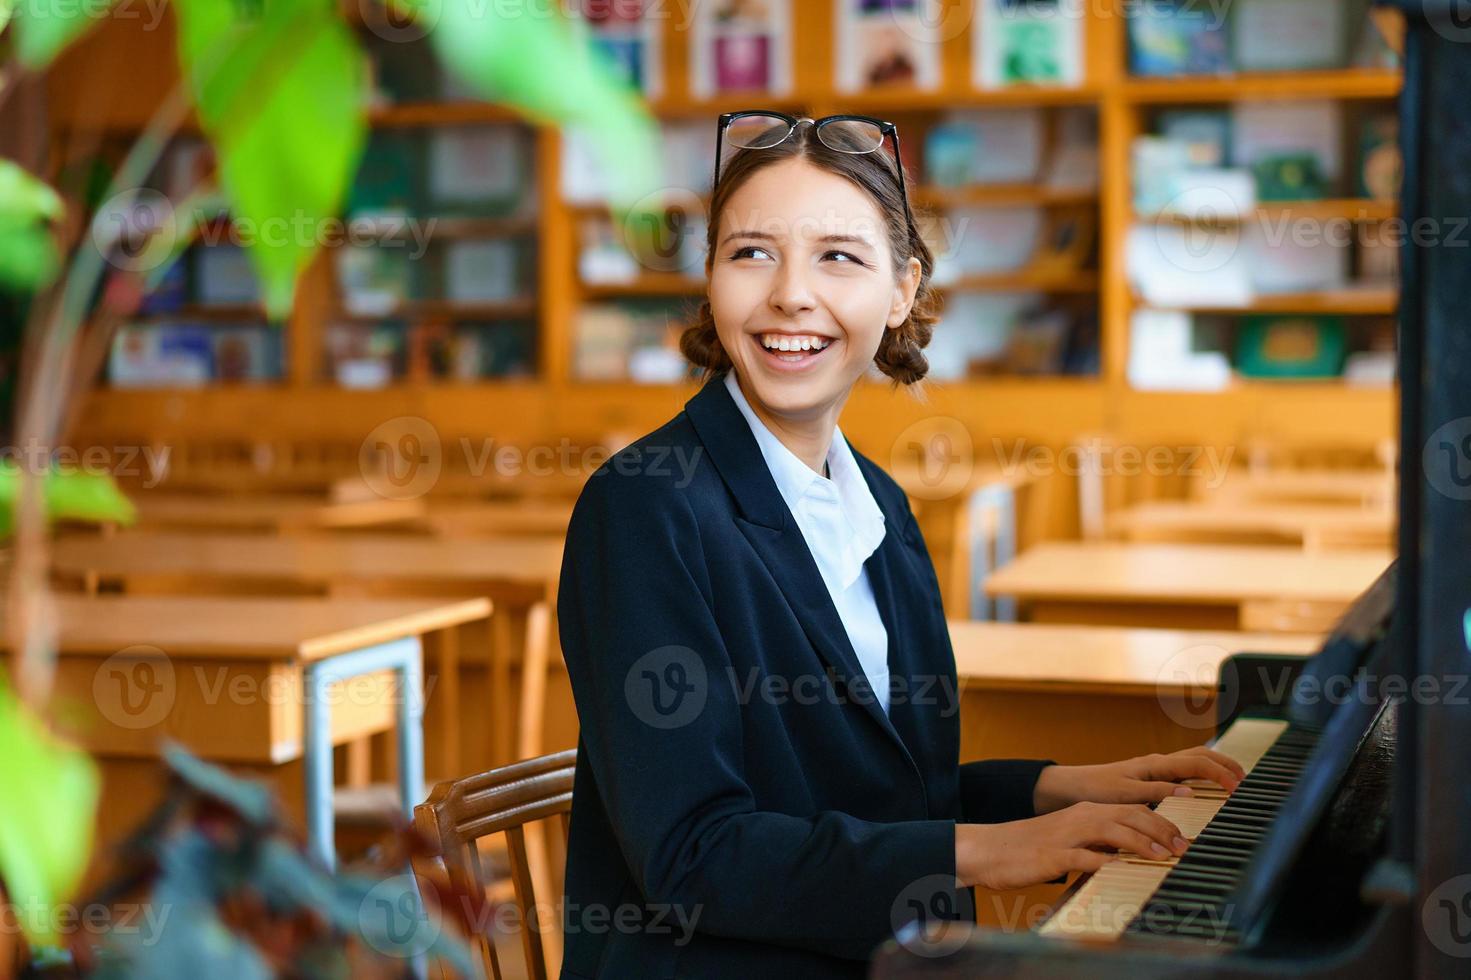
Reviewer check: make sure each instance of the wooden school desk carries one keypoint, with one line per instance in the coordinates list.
(481, 518)
(518, 574)
(1363, 487)
(1194, 586)
(266, 685)
(1246, 522)
(277, 512)
(1088, 694)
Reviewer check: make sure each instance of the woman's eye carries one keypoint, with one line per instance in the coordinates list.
(746, 251)
(848, 256)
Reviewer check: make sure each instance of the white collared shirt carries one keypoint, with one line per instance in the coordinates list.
(842, 525)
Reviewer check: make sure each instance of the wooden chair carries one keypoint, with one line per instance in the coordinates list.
(457, 818)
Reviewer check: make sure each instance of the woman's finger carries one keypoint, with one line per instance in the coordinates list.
(1186, 765)
(1156, 828)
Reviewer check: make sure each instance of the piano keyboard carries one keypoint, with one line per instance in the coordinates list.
(1186, 895)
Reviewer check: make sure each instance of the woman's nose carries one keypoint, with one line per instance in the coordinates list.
(790, 291)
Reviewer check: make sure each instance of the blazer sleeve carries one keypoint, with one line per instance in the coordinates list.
(998, 790)
(634, 599)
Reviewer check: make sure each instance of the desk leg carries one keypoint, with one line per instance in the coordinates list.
(405, 658)
(999, 499)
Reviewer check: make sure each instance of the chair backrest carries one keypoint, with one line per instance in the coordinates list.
(460, 813)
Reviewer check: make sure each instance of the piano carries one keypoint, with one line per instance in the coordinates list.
(1346, 850)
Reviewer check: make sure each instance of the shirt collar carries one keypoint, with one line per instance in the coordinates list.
(847, 489)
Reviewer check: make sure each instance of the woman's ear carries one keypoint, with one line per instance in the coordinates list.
(905, 288)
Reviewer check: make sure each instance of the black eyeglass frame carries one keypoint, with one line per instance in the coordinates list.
(886, 129)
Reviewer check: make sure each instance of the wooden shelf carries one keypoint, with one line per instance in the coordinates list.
(1026, 280)
(910, 100)
(1348, 301)
(1002, 195)
(1347, 83)
(652, 284)
(1345, 209)
(441, 309)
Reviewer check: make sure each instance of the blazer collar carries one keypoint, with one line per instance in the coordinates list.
(768, 525)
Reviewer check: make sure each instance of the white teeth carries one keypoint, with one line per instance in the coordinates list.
(801, 342)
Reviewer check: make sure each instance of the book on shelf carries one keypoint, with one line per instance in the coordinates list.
(1072, 163)
(150, 355)
(987, 241)
(372, 280)
(1380, 168)
(247, 353)
(740, 46)
(985, 146)
(481, 271)
(476, 165)
(625, 33)
(883, 43)
(1308, 128)
(621, 341)
(1026, 42)
(1288, 35)
(387, 180)
(365, 355)
(1291, 346)
(1178, 37)
(1163, 355)
(223, 276)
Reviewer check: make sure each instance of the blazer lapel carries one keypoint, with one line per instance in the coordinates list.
(769, 526)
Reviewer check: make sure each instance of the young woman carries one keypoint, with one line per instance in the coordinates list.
(768, 779)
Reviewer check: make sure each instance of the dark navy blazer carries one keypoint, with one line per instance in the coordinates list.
(743, 806)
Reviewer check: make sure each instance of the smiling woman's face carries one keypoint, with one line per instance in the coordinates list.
(802, 260)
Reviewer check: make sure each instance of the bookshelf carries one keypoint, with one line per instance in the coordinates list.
(551, 400)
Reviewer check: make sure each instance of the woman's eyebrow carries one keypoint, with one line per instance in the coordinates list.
(826, 239)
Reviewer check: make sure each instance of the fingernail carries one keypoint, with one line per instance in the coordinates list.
(1180, 843)
(1159, 850)
(1184, 791)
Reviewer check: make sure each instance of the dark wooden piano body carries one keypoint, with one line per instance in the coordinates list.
(1359, 874)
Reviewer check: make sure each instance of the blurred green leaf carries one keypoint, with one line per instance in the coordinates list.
(69, 496)
(28, 255)
(46, 817)
(527, 56)
(280, 95)
(44, 27)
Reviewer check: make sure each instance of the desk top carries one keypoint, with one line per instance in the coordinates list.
(269, 510)
(1104, 658)
(1185, 573)
(247, 627)
(490, 517)
(515, 560)
(1289, 520)
(1327, 486)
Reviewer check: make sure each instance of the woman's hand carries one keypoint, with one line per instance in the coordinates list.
(1146, 779)
(1028, 852)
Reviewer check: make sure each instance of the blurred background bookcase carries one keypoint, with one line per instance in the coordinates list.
(472, 356)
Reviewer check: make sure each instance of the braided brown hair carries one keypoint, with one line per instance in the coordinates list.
(900, 353)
